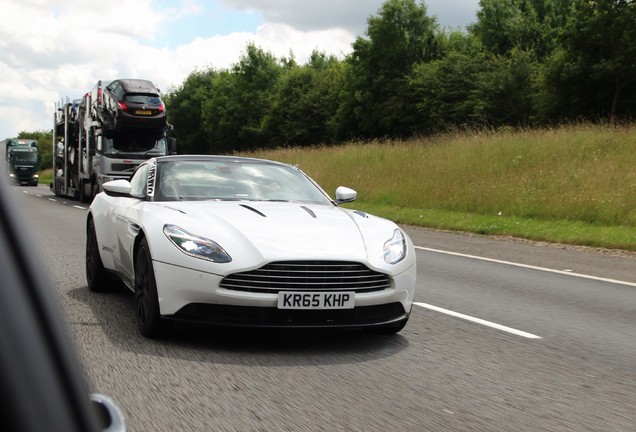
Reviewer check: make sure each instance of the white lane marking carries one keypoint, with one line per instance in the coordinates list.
(479, 321)
(544, 269)
(52, 199)
(79, 207)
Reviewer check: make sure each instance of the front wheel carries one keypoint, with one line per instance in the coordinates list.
(149, 320)
(96, 274)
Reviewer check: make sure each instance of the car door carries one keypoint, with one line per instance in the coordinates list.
(111, 96)
(43, 387)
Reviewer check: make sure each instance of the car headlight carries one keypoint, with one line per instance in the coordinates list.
(195, 246)
(395, 249)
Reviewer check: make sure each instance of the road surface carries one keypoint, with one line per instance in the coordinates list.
(505, 336)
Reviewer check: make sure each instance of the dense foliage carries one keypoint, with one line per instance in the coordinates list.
(522, 63)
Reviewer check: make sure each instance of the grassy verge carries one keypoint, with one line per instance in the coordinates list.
(46, 176)
(574, 184)
(559, 231)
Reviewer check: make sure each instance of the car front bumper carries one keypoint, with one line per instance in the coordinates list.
(195, 296)
(135, 121)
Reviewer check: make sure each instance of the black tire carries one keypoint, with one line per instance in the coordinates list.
(94, 191)
(82, 193)
(56, 187)
(96, 275)
(149, 320)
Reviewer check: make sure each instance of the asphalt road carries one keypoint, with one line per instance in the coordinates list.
(506, 336)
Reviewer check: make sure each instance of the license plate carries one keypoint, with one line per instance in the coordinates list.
(316, 300)
(143, 112)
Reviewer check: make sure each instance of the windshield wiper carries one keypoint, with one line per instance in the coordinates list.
(224, 199)
(153, 152)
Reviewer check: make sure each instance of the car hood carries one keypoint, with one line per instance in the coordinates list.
(277, 230)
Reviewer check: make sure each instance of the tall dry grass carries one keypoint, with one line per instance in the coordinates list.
(576, 173)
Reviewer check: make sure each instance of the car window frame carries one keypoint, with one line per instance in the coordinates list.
(43, 386)
(139, 188)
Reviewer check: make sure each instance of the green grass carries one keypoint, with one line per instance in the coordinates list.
(46, 176)
(574, 184)
(560, 231)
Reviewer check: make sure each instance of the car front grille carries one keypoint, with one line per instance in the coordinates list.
(308, 276)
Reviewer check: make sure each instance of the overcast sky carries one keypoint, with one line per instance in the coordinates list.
(53, 49)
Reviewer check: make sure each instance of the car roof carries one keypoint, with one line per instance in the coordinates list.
(138, 86)
(23, 142)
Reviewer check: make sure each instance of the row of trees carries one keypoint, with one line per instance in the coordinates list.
(522, 63)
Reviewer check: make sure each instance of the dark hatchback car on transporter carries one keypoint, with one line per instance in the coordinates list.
(133, 103)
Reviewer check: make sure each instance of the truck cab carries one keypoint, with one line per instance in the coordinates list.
(119, 154)
(23, 161)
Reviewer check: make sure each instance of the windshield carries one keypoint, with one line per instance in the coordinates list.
(133, 146)
(234, 180)
(144, 99)
(24, 156)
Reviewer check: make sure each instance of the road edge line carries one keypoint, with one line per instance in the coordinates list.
(527, 266)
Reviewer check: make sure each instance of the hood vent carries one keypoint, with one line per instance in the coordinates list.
(252, 209)
(308, 210)
(175, 209)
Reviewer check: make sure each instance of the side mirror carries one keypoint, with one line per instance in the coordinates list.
(109, 415)
(117, 188)
(172, 144)
(345, 195)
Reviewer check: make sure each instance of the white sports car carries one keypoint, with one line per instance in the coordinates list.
(235, 241)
